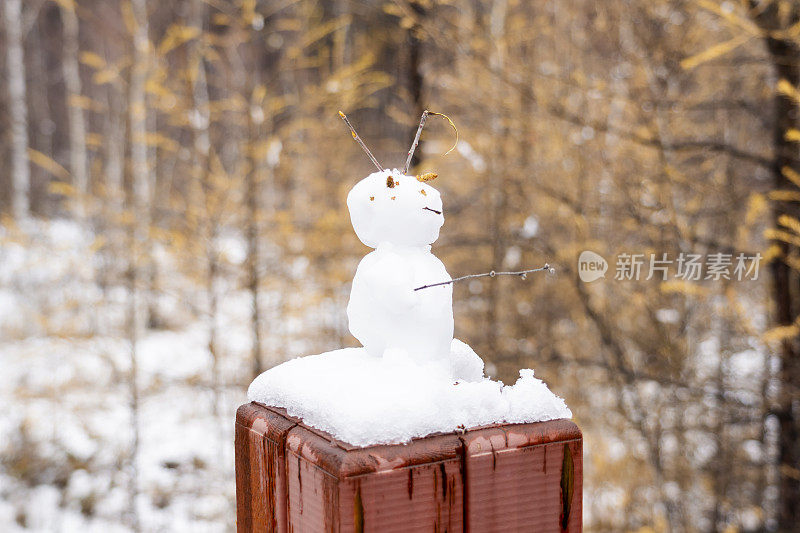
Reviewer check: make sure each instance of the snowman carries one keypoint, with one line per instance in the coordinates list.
(411, 378)
(399, 216)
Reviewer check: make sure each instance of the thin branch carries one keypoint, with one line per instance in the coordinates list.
(419, 132)
(416, 141)
(559, 112)
(360, 142)
(522, 273)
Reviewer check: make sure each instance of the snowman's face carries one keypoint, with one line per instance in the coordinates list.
(389, 207)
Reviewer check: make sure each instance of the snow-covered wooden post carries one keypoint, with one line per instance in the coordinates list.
(405, 434)
(504, 478)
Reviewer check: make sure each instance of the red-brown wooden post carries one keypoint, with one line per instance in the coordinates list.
(511, 477)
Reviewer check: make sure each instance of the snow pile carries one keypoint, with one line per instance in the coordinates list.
(366, 400)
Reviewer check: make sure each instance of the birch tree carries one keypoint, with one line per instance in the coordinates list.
(18, 110)
(202, 187)
(139, 205)
(72, 82)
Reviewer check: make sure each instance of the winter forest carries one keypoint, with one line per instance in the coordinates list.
(172, 223)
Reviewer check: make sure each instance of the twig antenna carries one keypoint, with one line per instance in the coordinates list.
(360, 142)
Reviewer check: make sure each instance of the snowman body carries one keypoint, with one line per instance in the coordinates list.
(399, 217)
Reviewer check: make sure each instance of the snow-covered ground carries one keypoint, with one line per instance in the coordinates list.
(65, 415)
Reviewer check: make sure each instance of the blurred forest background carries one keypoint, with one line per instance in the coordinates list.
(173, 222)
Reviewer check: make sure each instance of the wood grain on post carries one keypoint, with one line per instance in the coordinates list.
(512, 477)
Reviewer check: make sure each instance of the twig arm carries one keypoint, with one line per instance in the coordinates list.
(522, 273)
(359, 141)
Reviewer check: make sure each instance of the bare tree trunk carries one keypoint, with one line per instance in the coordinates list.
(18, 110)
(141, 182)
(253, 279)
(138, 113)
(77, 124)
(785, 55)
(201, 140)
(133, 327)
(496, 178)
(255, 119)
(114, 148)
(786, 294)
(140, 207)
(114, 255)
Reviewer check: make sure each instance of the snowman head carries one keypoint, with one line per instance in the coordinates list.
(390, 207)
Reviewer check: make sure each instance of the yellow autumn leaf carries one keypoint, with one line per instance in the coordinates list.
(792, 135)
(680, 286)
(176, 35)
(258, 94)
(161, 141)
(66, 4)
(789, 222)
(786, 88)
(718, 50)
(790, 33)
(783, 236)
(84, 102)
(248, 10)
(780, 333)
(757, 205)
(104, 76)
(772, 252)
(784, 196)
(95, 140)
(46, 162)
(155, 88)
(98, 243)
(732, 17)
(60, 188)
(324, 30)
(793, 261)
(221, 19)
(227, 104)
(90, 59)
(790, 174)
(128, 17)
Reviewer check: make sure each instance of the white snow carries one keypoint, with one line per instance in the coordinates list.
(465, 364)
(385, 312)
(530, 227)
(411, 378)
(394, 211)
(64, 392)
(365, 400)
(400, 217)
